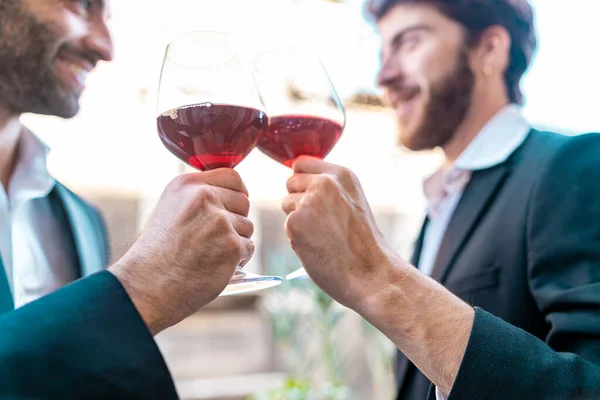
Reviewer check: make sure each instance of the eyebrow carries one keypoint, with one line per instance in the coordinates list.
(104, 7)
(400, 34)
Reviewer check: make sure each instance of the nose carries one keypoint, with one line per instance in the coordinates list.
(389, 72)
(99, 41)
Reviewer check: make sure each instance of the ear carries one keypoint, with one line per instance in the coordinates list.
(492, 52)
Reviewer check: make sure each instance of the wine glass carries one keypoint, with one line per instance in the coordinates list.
(306, 115)
(210, 115)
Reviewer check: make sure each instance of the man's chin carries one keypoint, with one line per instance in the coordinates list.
(414, 145)
(68, 113)
(65, 113)
(416, 141)
(59, 107)
(409, 139)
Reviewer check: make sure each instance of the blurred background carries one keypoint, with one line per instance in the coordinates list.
(291, 342)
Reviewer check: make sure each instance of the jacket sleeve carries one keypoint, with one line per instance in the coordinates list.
(563, 246)
(85, 341)
(505, 362)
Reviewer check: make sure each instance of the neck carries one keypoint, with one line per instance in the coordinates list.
(10, 131)
(478, 115)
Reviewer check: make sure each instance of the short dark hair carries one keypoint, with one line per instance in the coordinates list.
(516, 16)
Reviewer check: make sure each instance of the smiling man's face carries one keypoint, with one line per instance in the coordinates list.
(425, 73)
(47, 48)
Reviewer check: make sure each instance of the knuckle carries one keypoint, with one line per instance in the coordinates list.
(245, 203)
(324, 182)
(288, 204)
(222, 223)
(231, 245)
(294, 221)
(229, 174)
(250, 248)
(180, 182)
(206, 195)
(345, 175)
(290, 184)
(308, 201)
(249, 226)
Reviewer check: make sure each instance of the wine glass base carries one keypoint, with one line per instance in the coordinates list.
(249, 282)
(297, 274)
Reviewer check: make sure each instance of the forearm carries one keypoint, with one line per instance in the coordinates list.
(427, 323)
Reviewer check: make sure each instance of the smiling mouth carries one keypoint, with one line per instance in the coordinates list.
(404, 102)
(73, 70)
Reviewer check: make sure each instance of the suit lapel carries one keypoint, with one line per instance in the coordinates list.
(419, 244)
(88, 237)
(6, 301)
(476, 198)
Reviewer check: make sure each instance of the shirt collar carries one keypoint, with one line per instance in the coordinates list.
(496, 141)
(493, 145)
(31, 178)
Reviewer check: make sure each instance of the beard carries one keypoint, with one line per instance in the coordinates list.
(28, 82)
(449, 102)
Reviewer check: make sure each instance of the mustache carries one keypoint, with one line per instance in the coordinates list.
(399, 92)
(90, 56)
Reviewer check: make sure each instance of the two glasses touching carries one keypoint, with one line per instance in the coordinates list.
(212, 112)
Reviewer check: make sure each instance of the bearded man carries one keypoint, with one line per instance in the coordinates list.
(504, 302)
(49, 237)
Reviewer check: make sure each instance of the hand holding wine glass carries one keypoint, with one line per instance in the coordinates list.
(190, 247)
(333, 231)
(210, 115)
(306, 115)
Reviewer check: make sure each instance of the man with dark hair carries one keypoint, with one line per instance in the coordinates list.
(511, 224)
(49, 237)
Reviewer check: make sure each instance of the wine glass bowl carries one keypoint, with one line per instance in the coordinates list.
(306, 115)
(210, 115)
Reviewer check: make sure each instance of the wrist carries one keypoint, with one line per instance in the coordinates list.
(142, 293)
(386, 293)
(399, 299)
(423, 319)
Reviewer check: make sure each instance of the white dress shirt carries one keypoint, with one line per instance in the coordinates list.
(493, 145)
(33, 242)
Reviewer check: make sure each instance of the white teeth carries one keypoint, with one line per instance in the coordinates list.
(80, 73)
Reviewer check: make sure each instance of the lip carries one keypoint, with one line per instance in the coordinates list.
(404, 108)
(72, 70)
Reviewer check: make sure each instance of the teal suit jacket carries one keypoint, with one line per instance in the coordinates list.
(88, 232)
(84, 341)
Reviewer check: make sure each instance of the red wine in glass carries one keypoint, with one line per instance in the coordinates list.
(291, 136)
(208, 136)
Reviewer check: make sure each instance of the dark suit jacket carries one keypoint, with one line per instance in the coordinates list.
(524, 245)
(87, 231)
(504, 362)
(84, 341)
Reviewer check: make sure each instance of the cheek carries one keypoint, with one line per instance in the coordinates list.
(65, 24)
(73, 26)
(431, 65)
